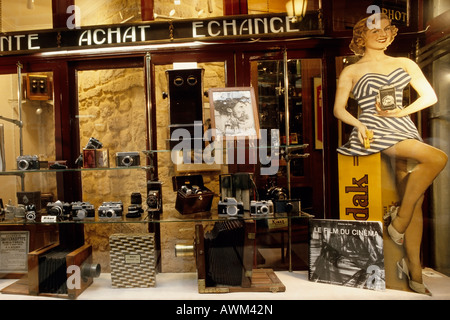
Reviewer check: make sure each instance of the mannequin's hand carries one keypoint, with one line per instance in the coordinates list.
(365, 136)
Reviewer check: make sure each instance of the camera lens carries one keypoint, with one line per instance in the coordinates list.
(90, 270)
(23, 164)
(232, 210)
(110, 213)
(31, 215)
(264, 209)
(80, 214)
(55, 211)
(153, 199)
(127, 161)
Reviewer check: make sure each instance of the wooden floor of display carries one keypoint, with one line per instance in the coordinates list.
(183, 286)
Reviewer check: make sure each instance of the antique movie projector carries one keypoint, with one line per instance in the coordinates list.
(224, 257)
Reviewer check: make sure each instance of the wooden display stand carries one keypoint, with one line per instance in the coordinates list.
(366, 191)
(76, 257)
(253, 280)
(29, 285)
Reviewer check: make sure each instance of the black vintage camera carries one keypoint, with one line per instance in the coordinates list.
(30, 212)
(231, 207)
(110, 210)
(28, 162)
(128, 159)
(261, 207)
(288, 206)
(276, 193)
(135, 209)
(94, 144)
(154, 200)
(386, 98)
(81, 210)
(62, 210)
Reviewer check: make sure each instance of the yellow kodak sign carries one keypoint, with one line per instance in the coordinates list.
(366, 187)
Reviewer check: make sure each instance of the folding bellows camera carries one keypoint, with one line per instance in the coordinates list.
(224, 257)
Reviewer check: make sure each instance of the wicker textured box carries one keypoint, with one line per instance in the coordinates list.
(133, 263)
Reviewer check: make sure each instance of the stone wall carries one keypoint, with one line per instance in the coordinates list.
(180, 232)
(112, 109)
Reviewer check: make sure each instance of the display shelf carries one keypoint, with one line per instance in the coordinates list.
(146, 218)
(20, 172)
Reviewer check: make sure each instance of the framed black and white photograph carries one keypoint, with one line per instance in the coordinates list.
(234, 112)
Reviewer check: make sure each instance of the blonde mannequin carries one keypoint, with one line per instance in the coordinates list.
(391, 132)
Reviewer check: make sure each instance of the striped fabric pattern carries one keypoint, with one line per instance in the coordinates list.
(387, 131)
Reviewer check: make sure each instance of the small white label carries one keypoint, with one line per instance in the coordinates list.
(48, 219)
(132, 258)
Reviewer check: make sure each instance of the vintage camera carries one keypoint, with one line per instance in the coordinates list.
(276, 193)
(110, 210)
(93, 144)
(128, 159)
(154, 200)
(154, 197)
(81, 210)
(386, 98)
(30, 212)
(135, 209)
(191, 190)
(62, 210)
(231, 207)
(28, 162)
(239, 186)
(261, 207)
(288, 206)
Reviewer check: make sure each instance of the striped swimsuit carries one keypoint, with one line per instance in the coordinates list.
(387, 131)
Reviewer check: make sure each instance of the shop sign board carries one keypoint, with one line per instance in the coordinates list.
(211, 29)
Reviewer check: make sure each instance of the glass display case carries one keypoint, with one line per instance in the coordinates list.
(117, 197)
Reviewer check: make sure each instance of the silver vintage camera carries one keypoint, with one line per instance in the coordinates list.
(110, 210)
(264, 207)
(28, 162)
(81, 210)
(127, 159)
(231, 207)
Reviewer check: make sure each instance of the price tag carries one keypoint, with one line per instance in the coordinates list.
(48, 219)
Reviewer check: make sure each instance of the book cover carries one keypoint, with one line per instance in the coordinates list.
(347, 253)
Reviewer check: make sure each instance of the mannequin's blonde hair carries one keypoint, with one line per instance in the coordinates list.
(358, 42)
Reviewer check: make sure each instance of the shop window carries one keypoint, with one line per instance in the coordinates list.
(263, 6)
(187, 9)
(32, 147)
(120, 11)
(25, 15)
(108, 11)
